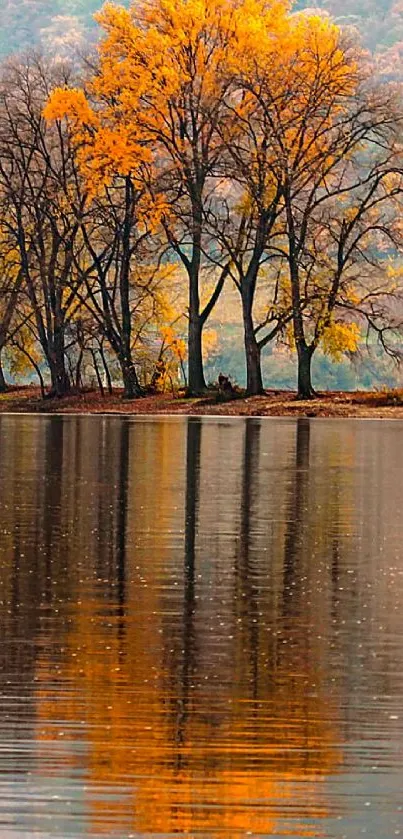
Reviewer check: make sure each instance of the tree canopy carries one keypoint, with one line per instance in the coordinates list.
(205, 144)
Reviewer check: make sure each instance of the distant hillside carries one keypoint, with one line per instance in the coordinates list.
(53, 24)
(380, 23)
(61, 25)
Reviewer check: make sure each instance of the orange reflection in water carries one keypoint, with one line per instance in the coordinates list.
(177, 681)
(197, 760)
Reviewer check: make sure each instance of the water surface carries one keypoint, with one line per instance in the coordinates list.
(201, 628)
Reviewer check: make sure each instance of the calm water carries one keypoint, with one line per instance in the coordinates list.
(201, 628)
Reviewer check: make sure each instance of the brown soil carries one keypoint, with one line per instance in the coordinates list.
(388, 404)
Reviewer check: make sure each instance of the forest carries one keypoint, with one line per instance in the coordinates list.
(240, 158)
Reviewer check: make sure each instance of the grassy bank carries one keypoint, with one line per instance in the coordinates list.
(273, 404)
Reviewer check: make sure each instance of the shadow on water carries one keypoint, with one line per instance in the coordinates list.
(202, 628)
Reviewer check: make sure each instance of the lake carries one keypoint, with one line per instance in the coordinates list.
(201, 628)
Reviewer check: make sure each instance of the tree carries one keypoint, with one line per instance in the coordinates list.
(351, 271)
(207, 141)
(331, 135)
(245, 219)
(119, 217)
(40, 195)
(114, 232)
(159, 101)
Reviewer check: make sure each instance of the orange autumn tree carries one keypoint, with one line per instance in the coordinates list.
(154, 112)
(195, 100)
(329, 139)
(117, 224)
(287, 93)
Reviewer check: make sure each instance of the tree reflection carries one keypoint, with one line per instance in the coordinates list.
(186, 650)
(297, 520)
(52, 501)
(155, 714)
(121, 522)
(247, 595)
(192, 497)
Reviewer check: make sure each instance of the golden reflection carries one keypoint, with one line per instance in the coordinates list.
(206, 739)
(179, 592)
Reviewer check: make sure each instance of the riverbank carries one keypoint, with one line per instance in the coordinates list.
(388, 404)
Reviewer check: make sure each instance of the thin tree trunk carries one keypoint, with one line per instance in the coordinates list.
(34, 365)
(40, 377)
(97, 373)
(196, 381)
(107, 372)
(304, 351)
(305, 389)
(131, 383)
(254, 382)
(3, 383)
(183, 371)
(78, 379)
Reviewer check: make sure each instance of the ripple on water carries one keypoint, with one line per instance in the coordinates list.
(202, 628)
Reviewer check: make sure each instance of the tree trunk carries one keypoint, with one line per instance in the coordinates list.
(131, 383)
(304, 351)
(60, 380)
(196, 382)
(254, 382)
(57, 363)
(106, 369)
(305, 389)
(132, 389)
(3, 383)
(40, 377)
(78, 379)
(34, 365)
(97, 373)
(60, 383)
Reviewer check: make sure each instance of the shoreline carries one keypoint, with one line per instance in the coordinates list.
(337, 404)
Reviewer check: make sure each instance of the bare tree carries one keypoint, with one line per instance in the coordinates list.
(40, 195)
